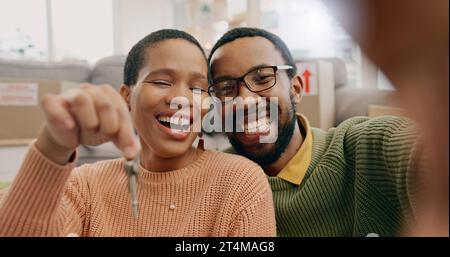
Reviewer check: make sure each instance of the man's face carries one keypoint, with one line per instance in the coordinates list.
(235, 59)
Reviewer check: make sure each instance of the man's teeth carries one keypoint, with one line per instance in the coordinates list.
(180, 121)
(261, 125)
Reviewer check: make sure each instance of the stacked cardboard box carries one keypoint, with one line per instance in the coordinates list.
(21, 116)
(317, 103)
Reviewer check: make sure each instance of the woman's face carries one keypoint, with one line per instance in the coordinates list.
(174, 68)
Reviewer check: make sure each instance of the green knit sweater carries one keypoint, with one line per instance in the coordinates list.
(360, 181)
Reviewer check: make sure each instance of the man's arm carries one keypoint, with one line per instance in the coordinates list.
(390, 156)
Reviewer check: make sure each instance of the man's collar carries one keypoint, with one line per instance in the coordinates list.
(296, 168)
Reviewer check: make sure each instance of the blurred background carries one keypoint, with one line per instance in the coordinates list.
(56, 30)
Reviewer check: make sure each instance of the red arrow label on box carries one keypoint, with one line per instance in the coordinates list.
(306, 74)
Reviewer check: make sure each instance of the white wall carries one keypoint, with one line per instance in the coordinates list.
(134, 19)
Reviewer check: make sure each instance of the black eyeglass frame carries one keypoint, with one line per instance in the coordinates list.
(276, 68)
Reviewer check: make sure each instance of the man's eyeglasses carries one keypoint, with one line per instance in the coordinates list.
(256, 80)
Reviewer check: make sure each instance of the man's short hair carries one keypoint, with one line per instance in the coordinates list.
(255, 32)
(136, 57)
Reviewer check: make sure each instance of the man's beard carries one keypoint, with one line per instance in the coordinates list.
(285, 132)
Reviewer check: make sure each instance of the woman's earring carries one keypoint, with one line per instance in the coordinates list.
(201, 143)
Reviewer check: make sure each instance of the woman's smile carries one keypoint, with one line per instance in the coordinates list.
(175, 125)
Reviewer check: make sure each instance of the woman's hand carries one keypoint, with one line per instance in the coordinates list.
(89, 115)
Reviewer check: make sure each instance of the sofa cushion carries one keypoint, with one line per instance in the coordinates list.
(76, 70)
(109, 70)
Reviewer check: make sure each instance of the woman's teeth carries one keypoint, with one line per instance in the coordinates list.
(174, 122)
(258, 126)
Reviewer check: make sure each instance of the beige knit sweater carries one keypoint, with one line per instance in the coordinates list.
(217, 195)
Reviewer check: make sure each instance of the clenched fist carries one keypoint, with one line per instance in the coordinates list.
(89, 115)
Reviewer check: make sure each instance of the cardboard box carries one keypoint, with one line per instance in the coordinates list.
(21, 116)
(317, 103)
